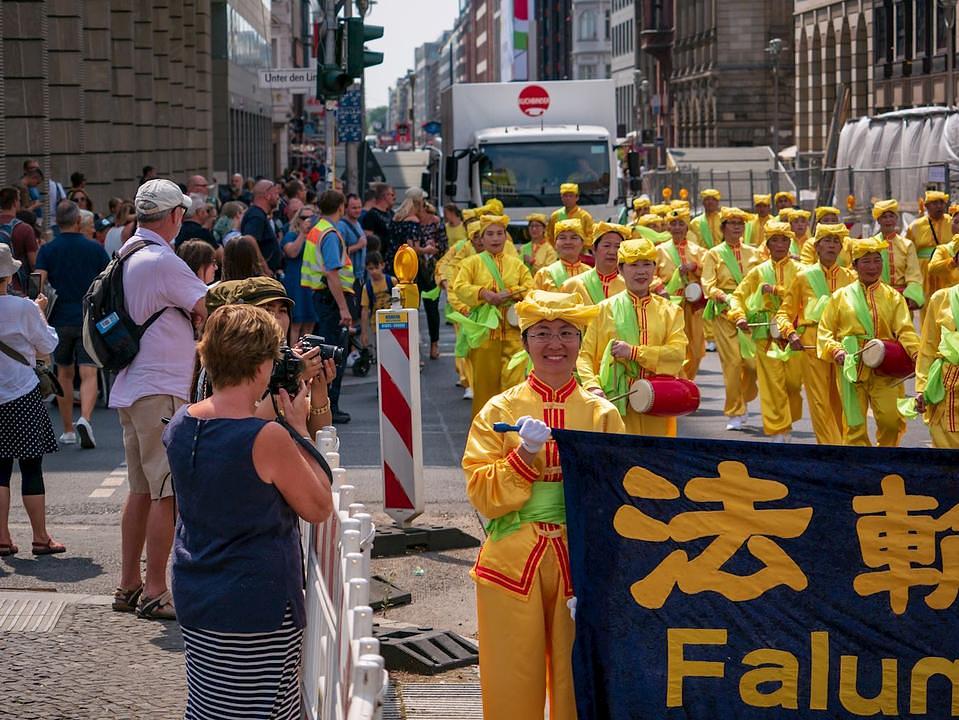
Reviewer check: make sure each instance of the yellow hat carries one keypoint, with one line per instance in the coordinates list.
(795, 214)
(541, 305)
(648, 219)
(933, 195)
(864, 246)
(762, 200)
(601, 228)
(953, 209)
(884, 206)
(679, 213)
(710, 193)
(825, 230)
(488, 220)
(569, 188)
(570, 225)
(785, 194)
(732, 213)
(537, 217)
(635, 250)
(640, 202)
(774, 229)
(470, 215)
(826, 210)
(673, 204)
(660, 210)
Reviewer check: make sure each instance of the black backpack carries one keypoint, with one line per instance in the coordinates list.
(6, 236)
(110, 336)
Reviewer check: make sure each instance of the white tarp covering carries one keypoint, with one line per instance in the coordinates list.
(913, 144)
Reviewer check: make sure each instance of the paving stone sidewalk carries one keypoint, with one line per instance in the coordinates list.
(93, 663)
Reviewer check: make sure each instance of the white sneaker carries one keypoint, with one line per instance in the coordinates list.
(68, 438)
(778, 438)
(735, 423)
(745, 417)
(468, 393)
(85, 433)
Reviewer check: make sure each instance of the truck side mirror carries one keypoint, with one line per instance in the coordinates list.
(425, 183)
(632, 163)
(451, 169)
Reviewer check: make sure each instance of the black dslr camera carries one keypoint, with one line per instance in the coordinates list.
(286, 373)
(327, 351)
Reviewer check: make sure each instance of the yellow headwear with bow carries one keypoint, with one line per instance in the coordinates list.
(649, 219)
(679, 213)
(732, 213)
(884, 206)
(795, 214)
(470, 215)
(660, 210)
(785, 194)
(601, 228)
(674, 204)
(570, 225)
(933, 195)
(541, 305)
(711, 193)
(569, 188)
(823, 230)
(861, 247)
(824, 210)
(762, 199)
(537, 217)
(781, 229)
(488, 220)
(640, 203)
(635, 250)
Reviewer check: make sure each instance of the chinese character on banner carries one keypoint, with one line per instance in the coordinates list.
(739, 523)
(906, 546)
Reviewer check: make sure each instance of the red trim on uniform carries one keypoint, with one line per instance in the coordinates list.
(519, 465)
(547, 393)
(525, 582)
(562, 554)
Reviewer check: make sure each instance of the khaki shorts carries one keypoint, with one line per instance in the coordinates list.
(148, 471)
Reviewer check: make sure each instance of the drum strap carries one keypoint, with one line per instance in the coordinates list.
(594, 286)
(705, 232)
(490, 264)
(817, 283)
(732, 264)
(557, 271)
(675, 283)
(856, 297)
(612, 376)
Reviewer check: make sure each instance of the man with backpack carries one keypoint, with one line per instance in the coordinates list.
(19, 236)
(163, 294)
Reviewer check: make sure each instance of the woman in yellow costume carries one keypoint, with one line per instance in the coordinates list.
(537, 253)
(943, 270)
(706, 226)
(752, 307)
(522, 573)
(636, 334)
(930, 230)
(602, 280)
(937, 368)
(900, 264)
(488, 284)
(798, 322)
(570, 239)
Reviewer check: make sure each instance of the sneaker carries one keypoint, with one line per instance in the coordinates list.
(710, 346)
(340, 417)
(85, 433)
(468, 393)
(68, 438)
(778, 438)
(735, 423)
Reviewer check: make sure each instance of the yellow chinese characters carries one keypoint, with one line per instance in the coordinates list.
(738, 523)
(905, 545)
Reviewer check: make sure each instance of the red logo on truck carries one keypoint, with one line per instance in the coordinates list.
(533, 100)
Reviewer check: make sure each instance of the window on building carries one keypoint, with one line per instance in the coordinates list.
(587, 72)
(899, 31)
(606, 26)
(587, 25)
(921, 24)
(942, 31)
(881, 33)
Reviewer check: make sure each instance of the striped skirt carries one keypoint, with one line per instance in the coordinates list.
(252, 676)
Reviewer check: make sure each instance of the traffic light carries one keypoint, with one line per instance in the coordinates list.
(357, 56)
(331, 81)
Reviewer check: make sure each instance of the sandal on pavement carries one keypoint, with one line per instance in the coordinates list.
(126, 600)
(50, 547)
(158, 608)
(8, 549)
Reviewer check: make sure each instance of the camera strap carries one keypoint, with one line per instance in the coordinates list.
(303, 442)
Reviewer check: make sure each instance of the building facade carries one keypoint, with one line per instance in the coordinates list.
(591, 56)
(290, 46)
(428, 60)
(553, 34)
(105, 88)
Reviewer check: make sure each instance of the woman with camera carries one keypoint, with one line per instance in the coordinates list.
(241, 483)
(25, 429)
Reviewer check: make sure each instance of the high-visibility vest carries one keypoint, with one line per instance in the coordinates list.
(313, 272)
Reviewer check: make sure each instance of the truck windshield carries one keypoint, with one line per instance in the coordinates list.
(529, 174)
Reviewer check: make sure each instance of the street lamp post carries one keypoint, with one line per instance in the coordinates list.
(774, 48)
(949, 11)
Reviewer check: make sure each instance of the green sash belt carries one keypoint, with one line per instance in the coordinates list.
(850, 344)
(558, 272)
(912, 291)
(594, 286)
(547, 504)
(475, 329)
(925, 253)
(613, 380)
(816, 305)
(706, 232)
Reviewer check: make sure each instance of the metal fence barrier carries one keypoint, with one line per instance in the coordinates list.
(343, 672)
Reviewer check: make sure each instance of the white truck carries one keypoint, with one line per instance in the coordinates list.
(519, 141)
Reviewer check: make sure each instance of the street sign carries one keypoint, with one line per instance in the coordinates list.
(432, 128)
(297, 80)
(349, 116)
(533, 100)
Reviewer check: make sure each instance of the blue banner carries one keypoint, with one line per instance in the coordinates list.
(756, 580)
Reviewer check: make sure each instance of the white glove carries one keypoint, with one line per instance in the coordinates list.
(534, 434)
(571, 604)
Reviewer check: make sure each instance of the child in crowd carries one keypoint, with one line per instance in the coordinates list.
(376, 294)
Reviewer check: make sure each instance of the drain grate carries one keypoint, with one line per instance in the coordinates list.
(446, 701)
(25, 612)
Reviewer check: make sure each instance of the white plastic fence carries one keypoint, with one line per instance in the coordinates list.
(343, 672)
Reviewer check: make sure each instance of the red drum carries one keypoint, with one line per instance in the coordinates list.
(664, 396)
(694, 295)
(888, 357)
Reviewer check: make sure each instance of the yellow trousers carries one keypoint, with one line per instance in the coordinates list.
(696, 347)
(637, 424)
(526, 648)
(708, 330)
(822, 395)
(739, 374)
(944, 421)
(489, 365)
(464, 372)
(880, 394)
(780, 390)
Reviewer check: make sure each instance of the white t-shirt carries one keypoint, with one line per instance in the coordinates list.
(155, 278)
(113, 240)
(23, 328)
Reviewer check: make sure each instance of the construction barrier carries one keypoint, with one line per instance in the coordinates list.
(343, 674)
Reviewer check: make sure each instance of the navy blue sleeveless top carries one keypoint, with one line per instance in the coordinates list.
(237, 561)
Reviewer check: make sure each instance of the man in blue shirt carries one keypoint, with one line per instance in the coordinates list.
(355, 237)
(69, 263)
(258, 222)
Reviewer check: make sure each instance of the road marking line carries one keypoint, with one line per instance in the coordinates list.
(111, 482)
(102, 492)
(114, 481)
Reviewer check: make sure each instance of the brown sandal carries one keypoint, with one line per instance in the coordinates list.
(50, 547)
(7, 550)
(126, 600)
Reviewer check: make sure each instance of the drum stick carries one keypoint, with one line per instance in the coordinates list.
(902, 380)
(620, 397)
(502, 427)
